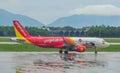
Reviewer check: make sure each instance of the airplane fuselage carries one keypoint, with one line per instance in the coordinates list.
(57, 42)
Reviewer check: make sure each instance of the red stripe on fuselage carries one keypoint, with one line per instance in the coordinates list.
(48, 42)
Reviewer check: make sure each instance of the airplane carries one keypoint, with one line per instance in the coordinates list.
(66, 44)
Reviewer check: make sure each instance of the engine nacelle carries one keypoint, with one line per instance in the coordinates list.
(80, 48)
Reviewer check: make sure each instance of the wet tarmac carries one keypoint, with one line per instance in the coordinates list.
(45, 62)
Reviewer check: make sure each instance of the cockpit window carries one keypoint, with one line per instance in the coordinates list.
(103, 42)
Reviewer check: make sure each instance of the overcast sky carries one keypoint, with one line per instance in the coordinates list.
(46, 11)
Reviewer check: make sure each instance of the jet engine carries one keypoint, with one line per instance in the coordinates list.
(80, 48)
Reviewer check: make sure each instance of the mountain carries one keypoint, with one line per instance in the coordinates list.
(86, 20)
(6, 18)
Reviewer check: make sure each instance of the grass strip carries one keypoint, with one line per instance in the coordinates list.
(31, 48)
(5, 40)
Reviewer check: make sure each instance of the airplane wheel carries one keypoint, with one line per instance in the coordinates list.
(60, 51)
(95, 51)
(65, 52)
(66, 57)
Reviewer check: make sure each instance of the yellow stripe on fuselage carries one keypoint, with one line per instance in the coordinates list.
(19, 36)
(72, 41)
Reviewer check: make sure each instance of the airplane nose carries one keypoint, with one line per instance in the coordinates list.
(107, 44)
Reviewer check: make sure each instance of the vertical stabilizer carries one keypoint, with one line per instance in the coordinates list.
(20, 31)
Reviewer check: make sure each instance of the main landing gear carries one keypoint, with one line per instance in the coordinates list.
(66, 55)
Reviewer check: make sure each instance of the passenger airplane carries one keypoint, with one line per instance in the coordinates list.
(78, 44)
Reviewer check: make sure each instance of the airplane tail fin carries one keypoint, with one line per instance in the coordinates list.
(20, 31)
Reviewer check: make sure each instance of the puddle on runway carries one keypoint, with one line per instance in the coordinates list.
(52, 63)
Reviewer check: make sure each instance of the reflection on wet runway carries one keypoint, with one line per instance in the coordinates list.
(35, 62)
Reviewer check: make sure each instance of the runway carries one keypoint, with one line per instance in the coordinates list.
(19, 43)
(114, 43)
(9, 43)
(46, 62)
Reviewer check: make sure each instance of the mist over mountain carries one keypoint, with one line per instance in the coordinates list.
(7, 17)
(86, 20)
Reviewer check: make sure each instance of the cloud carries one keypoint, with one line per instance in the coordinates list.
(10, 1)
(97, 10)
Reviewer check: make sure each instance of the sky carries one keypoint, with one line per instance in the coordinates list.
(47, 11)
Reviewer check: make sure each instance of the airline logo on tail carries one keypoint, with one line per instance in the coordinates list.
(20, 31)
(20, 28)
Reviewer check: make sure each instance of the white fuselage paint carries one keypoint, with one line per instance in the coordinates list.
(99, 42)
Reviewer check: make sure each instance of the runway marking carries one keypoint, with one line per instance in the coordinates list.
(114, 43)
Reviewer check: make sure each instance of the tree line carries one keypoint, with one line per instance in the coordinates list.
(92, 31)
(34, 31)
(103, 31)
